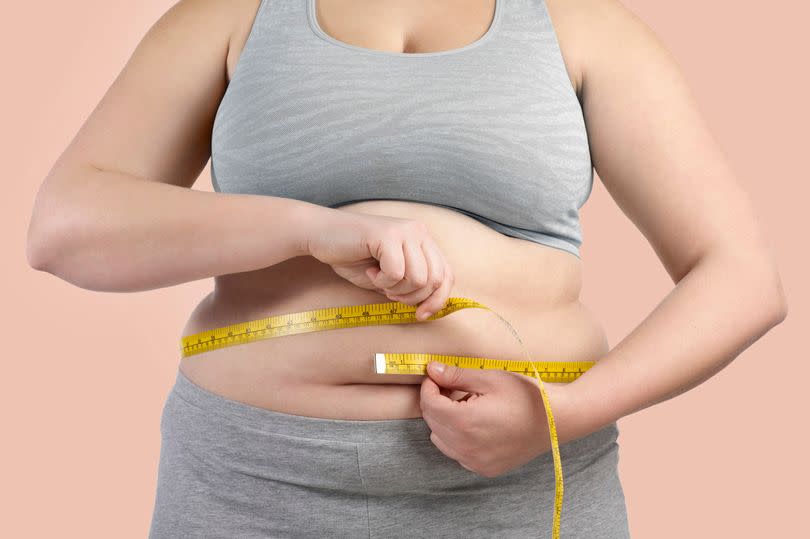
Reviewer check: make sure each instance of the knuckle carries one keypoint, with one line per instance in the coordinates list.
(418, 280)
(376, 248)
(388, 244)
(397, 273)
(464, 425)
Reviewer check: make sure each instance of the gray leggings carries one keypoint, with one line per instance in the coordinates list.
(231, 470)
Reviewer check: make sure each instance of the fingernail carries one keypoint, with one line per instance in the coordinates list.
(437, 366)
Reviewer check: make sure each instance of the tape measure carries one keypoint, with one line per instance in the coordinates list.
(399, 363)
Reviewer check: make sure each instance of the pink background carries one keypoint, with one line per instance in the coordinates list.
(85, 374)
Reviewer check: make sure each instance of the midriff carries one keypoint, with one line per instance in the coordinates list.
(330, 373)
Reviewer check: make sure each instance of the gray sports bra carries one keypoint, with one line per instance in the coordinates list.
(492, 129)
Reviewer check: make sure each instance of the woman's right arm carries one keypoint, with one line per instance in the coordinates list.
(116, 211)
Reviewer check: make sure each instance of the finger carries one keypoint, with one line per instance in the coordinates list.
(435, 276)
(436, 301)
(392, 265)
(439, 274)
(447, 433)
(454, 394)
(416, 272)
(482, 381)
(371, 273)
(437, 407)
(444, 447)
(429, 391)
(448, 443)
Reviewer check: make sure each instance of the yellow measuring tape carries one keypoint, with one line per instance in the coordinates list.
(406, 363)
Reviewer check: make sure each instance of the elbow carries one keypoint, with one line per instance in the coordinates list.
(780, 310)
(77, 255)
(49, 231)
(46, 227)
(49, 254)
(64, 242)
(754, 271)
(45, 251)
(35, 256)
(38, 250)
(775, 297)
(54, 246)
(773, 301)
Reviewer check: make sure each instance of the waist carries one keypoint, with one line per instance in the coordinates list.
(331, 373)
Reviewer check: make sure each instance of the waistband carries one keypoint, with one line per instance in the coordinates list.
(262, 420)
(272, 421)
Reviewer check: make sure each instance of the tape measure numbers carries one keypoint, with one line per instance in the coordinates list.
(416, 363)
(396, 312)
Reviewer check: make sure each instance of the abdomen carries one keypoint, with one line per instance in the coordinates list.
(331, 373)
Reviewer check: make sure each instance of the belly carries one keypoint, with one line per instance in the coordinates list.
(331, 374)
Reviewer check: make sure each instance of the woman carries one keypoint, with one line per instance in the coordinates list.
(374, 151)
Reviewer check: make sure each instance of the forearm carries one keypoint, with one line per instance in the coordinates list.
(115, 232)
(721, 307)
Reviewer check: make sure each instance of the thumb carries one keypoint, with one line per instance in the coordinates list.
(452, 377)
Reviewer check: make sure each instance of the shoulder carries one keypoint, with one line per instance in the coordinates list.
(203, 14)
(222, 21)
(594, 34)
(243, 14)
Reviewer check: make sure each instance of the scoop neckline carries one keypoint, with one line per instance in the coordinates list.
(316, 28)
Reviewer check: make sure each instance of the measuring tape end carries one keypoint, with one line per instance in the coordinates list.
(379, 363)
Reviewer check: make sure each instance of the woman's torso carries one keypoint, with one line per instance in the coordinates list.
(330, 373)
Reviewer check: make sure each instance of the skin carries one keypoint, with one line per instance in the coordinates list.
(117, 208)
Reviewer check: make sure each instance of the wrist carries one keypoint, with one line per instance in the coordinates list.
(305, 221)
(589, 412)
(571, 417)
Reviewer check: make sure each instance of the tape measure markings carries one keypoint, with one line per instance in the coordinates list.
(416, 363)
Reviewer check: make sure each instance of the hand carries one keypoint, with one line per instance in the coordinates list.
(500, 426)
(392, 255)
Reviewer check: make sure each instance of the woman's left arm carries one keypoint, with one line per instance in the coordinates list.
(657, 159)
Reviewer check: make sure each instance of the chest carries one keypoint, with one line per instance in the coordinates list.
(492, 128)
(409, 26)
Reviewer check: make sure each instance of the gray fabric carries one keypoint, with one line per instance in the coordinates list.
(230, 470)
(493, 129)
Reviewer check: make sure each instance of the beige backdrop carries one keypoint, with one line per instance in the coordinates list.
(85, 374)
